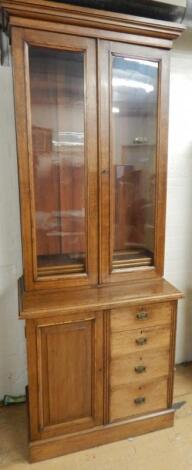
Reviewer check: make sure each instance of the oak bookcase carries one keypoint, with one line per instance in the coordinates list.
(91, 105)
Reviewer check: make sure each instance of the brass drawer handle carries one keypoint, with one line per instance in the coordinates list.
(141, 341)
(139, 400)
(140, 369)
(142, 316)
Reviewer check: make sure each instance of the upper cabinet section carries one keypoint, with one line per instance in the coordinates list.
(91, 101)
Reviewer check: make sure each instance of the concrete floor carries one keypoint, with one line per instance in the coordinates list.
(170, 449)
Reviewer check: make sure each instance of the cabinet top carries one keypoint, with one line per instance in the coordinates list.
(16, 12)
(36, 305)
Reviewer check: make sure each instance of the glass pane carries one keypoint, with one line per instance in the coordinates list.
(134, 118)
(57, 108)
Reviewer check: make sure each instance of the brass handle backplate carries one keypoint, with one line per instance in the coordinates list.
(140, 369)
(139, 400)
(142, 315)
(141, 341)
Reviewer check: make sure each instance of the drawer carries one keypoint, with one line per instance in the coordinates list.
(140, 315)
(139, 366)
(137, 399)
(126, 342)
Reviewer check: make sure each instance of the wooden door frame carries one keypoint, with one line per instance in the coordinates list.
(21, 39)
(105, 49)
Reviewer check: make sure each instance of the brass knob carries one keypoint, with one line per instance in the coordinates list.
(141, 341)
(142, 316)
(140, 369)
(139, 400)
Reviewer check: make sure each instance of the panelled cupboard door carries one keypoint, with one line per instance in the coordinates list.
(133, 110)
(67, 372)
(56, 121)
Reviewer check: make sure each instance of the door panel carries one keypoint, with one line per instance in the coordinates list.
(66, 363)
(133, 154)
(57, 108)
(57, 147)
(69, 373)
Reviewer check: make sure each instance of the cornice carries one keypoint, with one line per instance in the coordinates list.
(87, 17)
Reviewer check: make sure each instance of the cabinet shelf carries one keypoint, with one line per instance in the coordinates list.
(136, 146)
(132, 258)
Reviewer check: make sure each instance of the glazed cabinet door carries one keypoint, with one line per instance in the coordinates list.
(65, 361)
(133, 140)
(55, 90)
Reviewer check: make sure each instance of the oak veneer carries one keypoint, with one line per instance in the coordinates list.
(100, 335)
(35, 304)
(145, 316)
(139, 340)
(42, 450)
(137, 366)
(136, 399)
(104, 21)
(65, 359)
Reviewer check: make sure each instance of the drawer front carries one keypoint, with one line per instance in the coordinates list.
(137, 399)
(140, 316)
(125, 342)
(137, 367)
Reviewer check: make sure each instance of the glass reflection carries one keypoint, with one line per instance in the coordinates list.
(134, 118)
(57, 106)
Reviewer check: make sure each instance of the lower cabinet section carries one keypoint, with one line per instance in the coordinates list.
(100, 372)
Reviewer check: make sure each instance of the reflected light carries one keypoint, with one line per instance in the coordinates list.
(122, 82)
(115, 110)
(142, 62)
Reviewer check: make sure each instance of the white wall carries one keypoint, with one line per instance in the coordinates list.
(12, 344)
(178, 259)
(178, 253)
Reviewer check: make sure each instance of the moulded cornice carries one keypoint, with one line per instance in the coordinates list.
(87, 17)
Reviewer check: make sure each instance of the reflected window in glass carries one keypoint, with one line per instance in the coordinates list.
(134, 141)
(57, 113)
